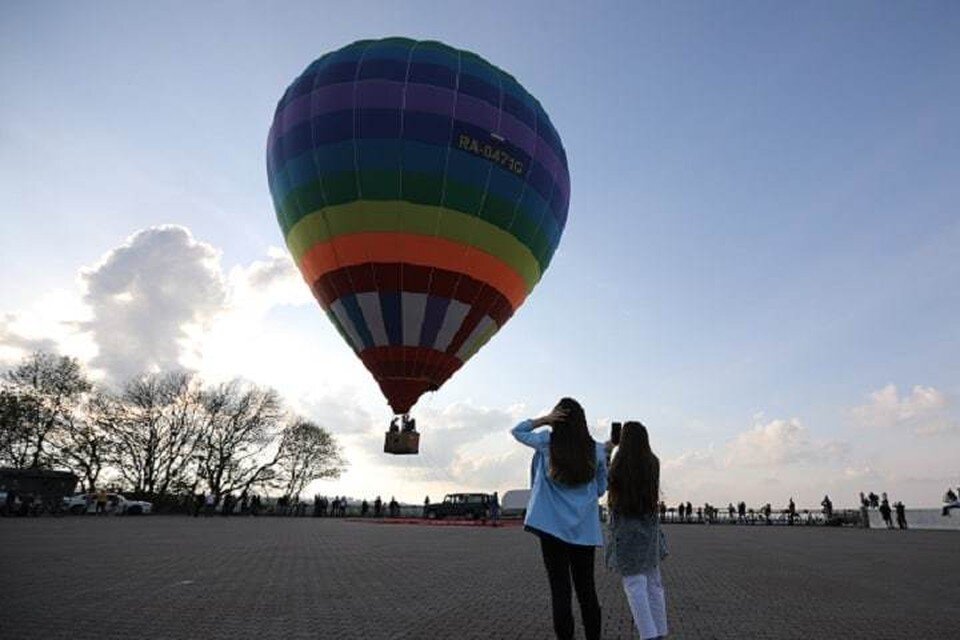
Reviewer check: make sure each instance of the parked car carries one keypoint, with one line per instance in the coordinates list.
(117, 504)
(459, 505)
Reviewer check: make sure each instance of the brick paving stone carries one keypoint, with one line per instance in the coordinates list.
(261, 578)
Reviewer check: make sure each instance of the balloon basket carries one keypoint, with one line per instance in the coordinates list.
(401, 443)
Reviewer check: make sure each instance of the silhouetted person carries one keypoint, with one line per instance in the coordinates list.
(827, 507)
(885, 513)
(377, 507)
(409, 424)
(364, 508)
(244, 503)
(874, 500)
(791, 511)
(426, 506)
(197, 504)
(394, 427)
(901, 514)
(950, 501)
(741, 511)
(495, 508)
(766, 511)
(663, 511)
(689, 511)
(730, 511)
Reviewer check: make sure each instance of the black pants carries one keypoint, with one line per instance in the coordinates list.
(563, 561)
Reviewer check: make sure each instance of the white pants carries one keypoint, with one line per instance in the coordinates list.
(647, 603)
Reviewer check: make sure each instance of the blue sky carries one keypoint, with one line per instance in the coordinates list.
(763, 232)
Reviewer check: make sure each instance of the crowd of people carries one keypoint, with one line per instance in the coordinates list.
(208, 504)
(882, 504)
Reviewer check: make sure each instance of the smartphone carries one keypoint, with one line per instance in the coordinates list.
(615, 433)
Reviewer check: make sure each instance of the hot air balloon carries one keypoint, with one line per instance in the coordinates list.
(422, 192)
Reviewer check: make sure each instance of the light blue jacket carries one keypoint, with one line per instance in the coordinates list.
(569, 513)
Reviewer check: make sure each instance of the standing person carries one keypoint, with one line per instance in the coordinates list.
(741, 511)
(101, 502)
(791, 511)
(569, 475)
(885, 512)
(209, 503)
(495, 509)
(364, 508)
(635, 540)
(901, 514)
(827, 505)
(426, 506)
(377, 507)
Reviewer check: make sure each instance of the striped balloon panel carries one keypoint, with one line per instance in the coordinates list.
(422, 192)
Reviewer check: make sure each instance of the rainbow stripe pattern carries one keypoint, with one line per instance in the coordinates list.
(422, 192)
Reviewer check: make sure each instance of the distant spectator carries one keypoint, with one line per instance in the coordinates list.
(663, 511)
(209, 503)
(426, 506)
(885, 512)
(680, 511)
(766, 510)
(101, 502)
(874, 500)
(950, 501)
(364, 508)
(495, 508)
(394, 508)
(377, 507)
(827, 507)
(791, 511)
(227, 506)
(731, 511)
(244, 503)
(689, 511)
(741, 511)
(901, 514)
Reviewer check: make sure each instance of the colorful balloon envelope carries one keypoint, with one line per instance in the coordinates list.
(422, 192)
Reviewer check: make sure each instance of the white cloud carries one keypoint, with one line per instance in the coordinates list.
(777, 443)
(149, 298)
(923, 410)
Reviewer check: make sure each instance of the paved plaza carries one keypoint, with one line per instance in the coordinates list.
(178, 577)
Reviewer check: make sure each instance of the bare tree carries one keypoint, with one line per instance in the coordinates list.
(154, 427)
(82, 443)
(46, 391)
(243, 421)
(307, 453)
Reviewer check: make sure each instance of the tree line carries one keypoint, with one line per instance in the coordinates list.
(160, 434)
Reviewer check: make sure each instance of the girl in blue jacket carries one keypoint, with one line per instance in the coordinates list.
(568, 475)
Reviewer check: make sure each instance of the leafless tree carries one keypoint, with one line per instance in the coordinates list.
(81, 443)
(307, 453)
(243, 422)
(154, 427)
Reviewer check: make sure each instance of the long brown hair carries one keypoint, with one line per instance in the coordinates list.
(573, 453)
(634, 480)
